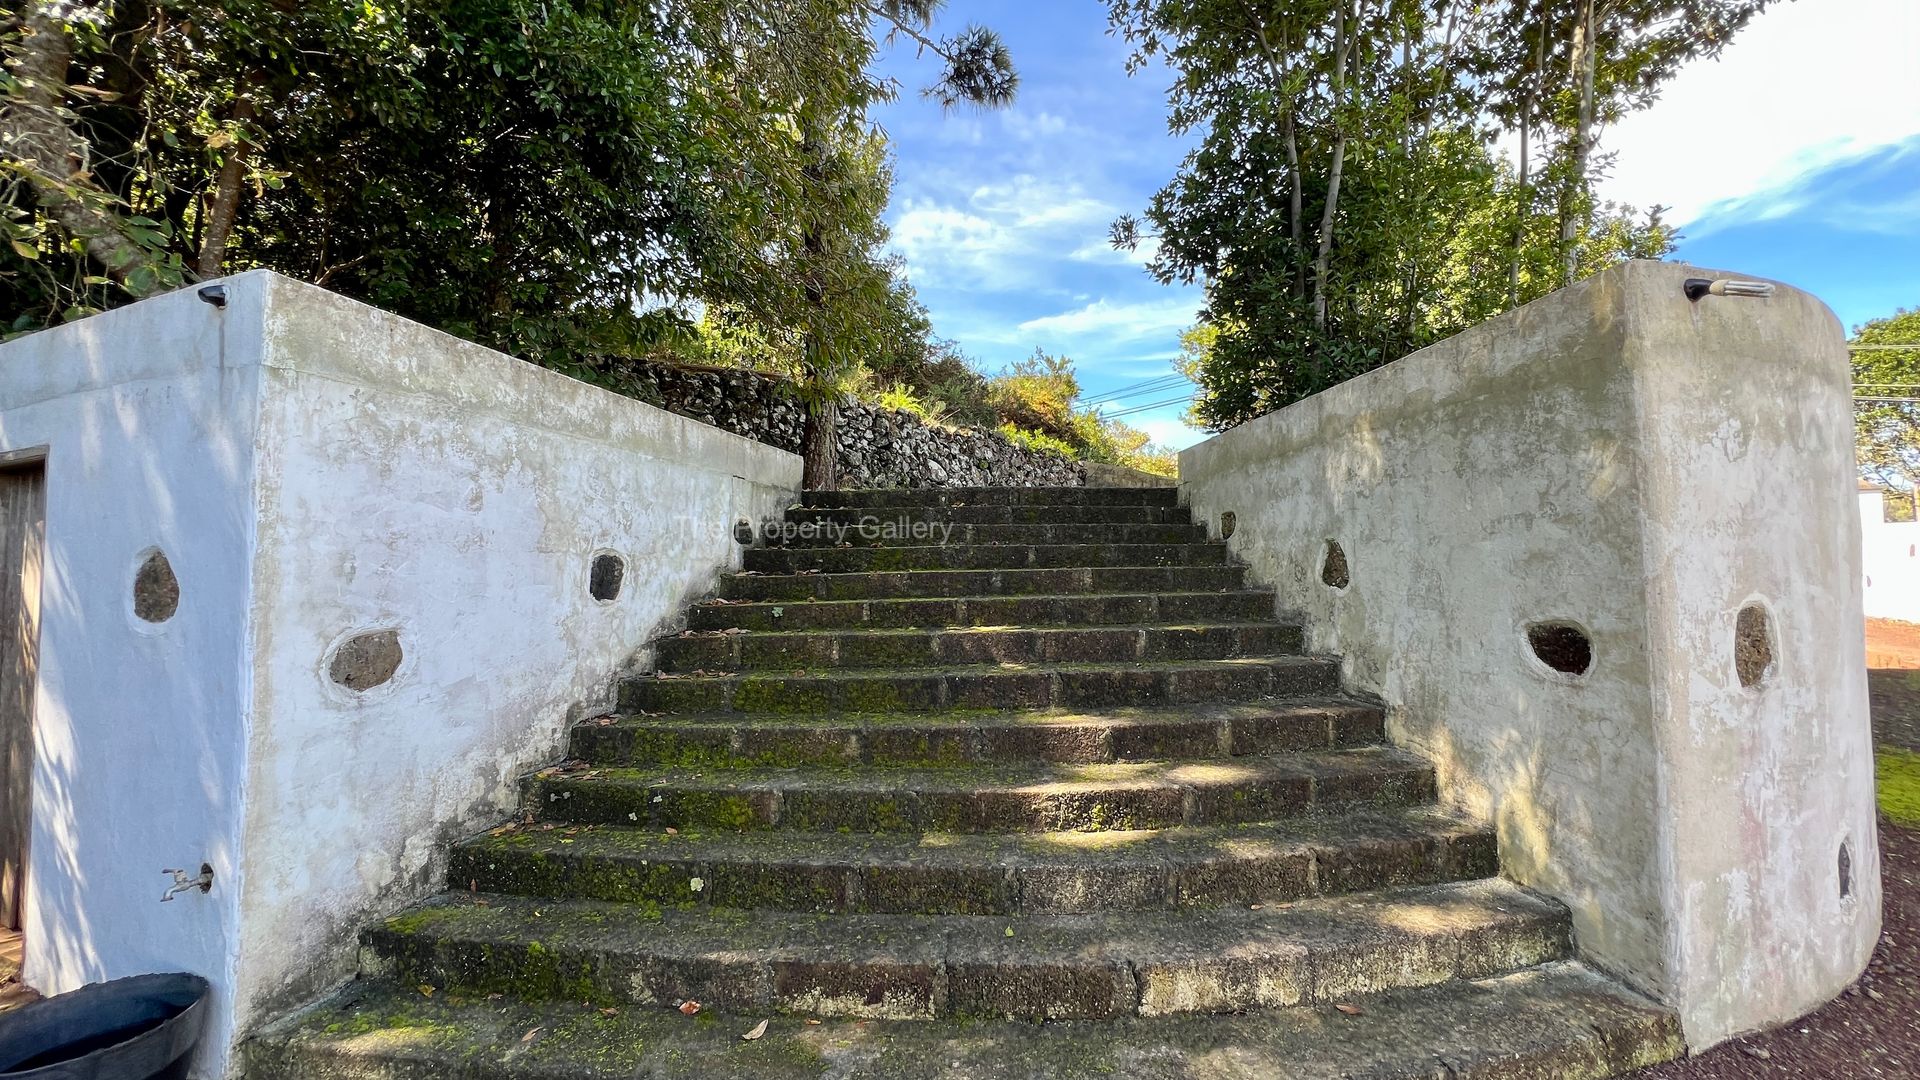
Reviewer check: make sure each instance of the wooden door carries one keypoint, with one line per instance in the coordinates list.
(23, 527)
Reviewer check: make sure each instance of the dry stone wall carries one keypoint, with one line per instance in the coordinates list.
(878, 447)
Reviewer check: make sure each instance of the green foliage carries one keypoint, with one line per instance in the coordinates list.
(1886, 428)
(1343, 205)
(1898, 772)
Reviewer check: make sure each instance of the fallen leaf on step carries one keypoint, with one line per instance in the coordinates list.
(811, 1022)
(759, 1029)
(689, 1007)
(1350, 1010)
(426, 990)
(1757, 1052)
(530, 1035)
(609, 1012)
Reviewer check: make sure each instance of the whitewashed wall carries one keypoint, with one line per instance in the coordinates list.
(1890, 562)
(1615, 457)
(314, 469)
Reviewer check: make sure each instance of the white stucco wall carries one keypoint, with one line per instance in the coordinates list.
(314, 468)
(1890, 562)
(1618, 458)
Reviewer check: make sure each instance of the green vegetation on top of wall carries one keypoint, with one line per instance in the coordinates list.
(1898, 773)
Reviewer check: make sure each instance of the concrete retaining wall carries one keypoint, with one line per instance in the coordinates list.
(1614, 462)
(326, 480)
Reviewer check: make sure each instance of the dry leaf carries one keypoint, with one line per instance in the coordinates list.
(759, 1029)
(689, 1007)
(1350, 1010)
(529, 1036)
(811, 1022)
(426, 990)
(609, 1012)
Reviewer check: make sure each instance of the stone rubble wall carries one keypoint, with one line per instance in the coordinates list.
(878, 447)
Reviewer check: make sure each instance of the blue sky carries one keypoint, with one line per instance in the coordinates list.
(1796, 156)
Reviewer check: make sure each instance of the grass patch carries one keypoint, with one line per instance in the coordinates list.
(1899, 775)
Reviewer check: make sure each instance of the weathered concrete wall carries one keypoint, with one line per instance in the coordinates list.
(147, 417)
(317, 470)
(1616, 459)
(1890, 561)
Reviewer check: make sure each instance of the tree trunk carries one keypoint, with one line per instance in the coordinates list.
(820, 470)
(1581, 64)
(1525, 208)
(1325, 254)
(224, 204)
(54, 159)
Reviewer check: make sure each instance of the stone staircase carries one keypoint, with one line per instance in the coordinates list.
(1056, 798)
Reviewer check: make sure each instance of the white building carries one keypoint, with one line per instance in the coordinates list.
(1890, 559)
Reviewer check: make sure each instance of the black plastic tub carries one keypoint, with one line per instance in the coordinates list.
(143, 1028)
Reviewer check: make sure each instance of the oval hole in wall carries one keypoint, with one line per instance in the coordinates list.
(156, 592)
(1846, 871)
(1228, 521)
(1753, 645)
(1333, 566)
(364, 661)
(1562, 646)
(609, 572)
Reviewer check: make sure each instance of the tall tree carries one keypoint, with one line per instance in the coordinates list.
(1886, 376)
(1344, 204)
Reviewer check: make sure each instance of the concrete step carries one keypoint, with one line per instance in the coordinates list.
(1559, 1021)
(996, 514)
(994, 496)
(1032, 797)
(1031, 686)
(1056, 735)
(1052, 735)
(980, 874)
(853, 560)
(883, 531)
(1084, 610)
(967, 583)
(709, 650)
(1039, 967)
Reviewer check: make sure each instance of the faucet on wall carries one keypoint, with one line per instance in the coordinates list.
(182, 883)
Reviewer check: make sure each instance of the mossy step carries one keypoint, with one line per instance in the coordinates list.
(1560, 1021)
(935, 556)
(975, 874)
(949, 611)
(1042, 967)
(1057, 580)
(1000, 514)
(697, 650)
(1056, 735)
(993, 496)
(876, 530)
(1007, 686)
(1040, 798)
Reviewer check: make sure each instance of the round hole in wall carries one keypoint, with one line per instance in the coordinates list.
(743, 532)
(156, 592)
(1753, 645)
(1562, 646)
(1846, 871)
(605, 578)
(1228, 521)
(364, 661)
(1333, 566)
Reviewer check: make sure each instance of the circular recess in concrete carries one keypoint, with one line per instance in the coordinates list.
(1846, 870)
(366, 660)
(1563, 646)
(1753, 645)
(608, 573)
(156, 591)
(1228, 521)
(1333, 566)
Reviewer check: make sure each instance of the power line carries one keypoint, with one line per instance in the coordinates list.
(1151, 386)
(1884, 348)
(1890, 400)
(1147, 407)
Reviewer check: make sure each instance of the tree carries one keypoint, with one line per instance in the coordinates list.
(1344, 206)
(1886, 410)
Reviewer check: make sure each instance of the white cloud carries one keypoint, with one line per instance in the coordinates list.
(1032, 126)
(1173, 433)
(1153, 317)
(1804, 86)
(1001, 237)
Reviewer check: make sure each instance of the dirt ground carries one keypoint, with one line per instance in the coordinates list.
(1893, 682)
